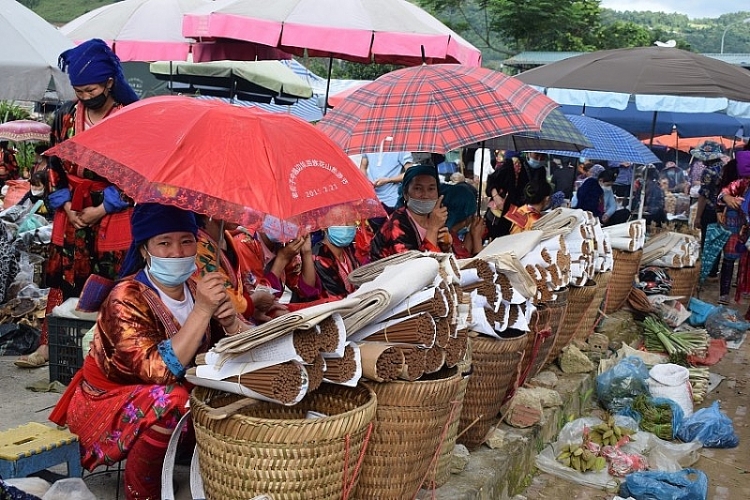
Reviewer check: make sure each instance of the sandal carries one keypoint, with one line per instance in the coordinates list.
(33, 360)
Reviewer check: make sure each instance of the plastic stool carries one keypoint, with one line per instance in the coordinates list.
(33, 447)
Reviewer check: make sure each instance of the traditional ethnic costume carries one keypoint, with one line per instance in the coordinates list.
(75, 254)
(131, 379)
(332, 271)
(522, 218)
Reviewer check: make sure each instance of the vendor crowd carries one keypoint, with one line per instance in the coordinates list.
(151, 271)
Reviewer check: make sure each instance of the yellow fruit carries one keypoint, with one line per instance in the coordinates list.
(578, 452)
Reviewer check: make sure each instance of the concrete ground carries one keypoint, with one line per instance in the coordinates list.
(728, 470)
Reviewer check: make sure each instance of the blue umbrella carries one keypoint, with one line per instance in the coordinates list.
(610, 142)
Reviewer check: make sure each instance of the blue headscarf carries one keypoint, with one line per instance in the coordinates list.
(460, 200)
(152, 219)
(94, 62)
(409, 176)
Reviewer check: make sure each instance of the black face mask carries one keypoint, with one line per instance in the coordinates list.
(95, 102)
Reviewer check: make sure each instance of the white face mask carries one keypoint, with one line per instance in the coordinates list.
(420, 207)
(37, 192)
(606, 188)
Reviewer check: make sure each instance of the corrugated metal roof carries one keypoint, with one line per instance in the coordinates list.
(532, 58)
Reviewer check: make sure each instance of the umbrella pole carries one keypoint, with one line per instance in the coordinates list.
(481, 181)
(219, 245)
(328, 85)
(653, 130)
(171, 83)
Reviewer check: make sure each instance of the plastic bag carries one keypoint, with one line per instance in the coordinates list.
(711, 427)
(661, 424)
(700, 311)
(616, 388)
(726, 323)
(687, 484)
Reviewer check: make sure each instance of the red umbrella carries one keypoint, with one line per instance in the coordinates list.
(237, 164)
(435, 108)
(24, 130)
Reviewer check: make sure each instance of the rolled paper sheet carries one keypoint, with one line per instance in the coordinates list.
(369, 272)
(381, 362)
(517, 244)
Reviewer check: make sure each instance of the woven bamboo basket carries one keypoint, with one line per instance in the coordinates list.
(626, 265)
(273, 449)
(411, 424)
(496, 364)
(544, 339)
(684, 282)
(593, 311)
(579, 300)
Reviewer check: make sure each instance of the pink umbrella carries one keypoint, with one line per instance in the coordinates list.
(24, 130)
(151, 30)
(382, 31)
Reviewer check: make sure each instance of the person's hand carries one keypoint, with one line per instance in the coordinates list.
(733, 202)
(210, 294)
(381, 182)
(477, 226)
(92, 215)
(605, 217)
(288, 251)
(262, 301)
(438, 216)
(74, 218)
(306, 248)
(226, 315)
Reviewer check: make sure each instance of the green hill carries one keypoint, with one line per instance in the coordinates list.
(59, 12)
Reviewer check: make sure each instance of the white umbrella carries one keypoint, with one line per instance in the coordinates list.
(151, 30)
(28, 55)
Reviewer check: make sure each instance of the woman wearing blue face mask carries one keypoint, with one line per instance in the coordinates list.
(419, 222)
(335, 258)
(131, 391)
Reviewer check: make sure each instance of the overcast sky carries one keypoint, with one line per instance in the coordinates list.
(692, 8)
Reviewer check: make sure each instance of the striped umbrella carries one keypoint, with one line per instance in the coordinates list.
(435, 108)
(610, 142)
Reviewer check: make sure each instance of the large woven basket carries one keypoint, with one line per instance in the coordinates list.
(544, 339)
(274, 449)
(442, 472)
(411, 424)
(579, 300)
(626, 265)
(684, 282)
(594, 310)
(496, 364)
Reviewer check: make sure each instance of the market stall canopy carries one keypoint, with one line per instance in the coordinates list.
(151, 30)
(381, 31)
(28, 55)
(257, 81)
(657, 78)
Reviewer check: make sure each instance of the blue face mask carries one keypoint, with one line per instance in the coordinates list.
(172, 271)
(341, 236)
(534, 163)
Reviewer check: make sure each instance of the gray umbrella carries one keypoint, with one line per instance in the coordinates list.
(28, 55)
(657, 78)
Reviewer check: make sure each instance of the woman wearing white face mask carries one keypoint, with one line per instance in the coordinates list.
(335, 258)
(419, 222)
(611, 214)
(38, 192)
(131, 392)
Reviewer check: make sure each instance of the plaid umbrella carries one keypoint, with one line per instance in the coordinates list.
(610, 143)
(435, 108)
(716, 237)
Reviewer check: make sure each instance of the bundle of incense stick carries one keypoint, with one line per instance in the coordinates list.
(414, 363)
(435, 306)
(282, 382)
(329, 335)
(484, 271)
(496, 319)
(506, 288)
(443, 331)
(434, 359)
(315, 372)
(456, 349)
(381, 362)
(306, 343)
(341, 369)
(443, 307)
(418, 329)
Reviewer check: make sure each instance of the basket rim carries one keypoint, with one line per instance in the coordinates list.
(369, 405)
